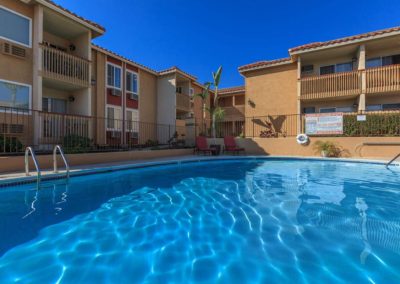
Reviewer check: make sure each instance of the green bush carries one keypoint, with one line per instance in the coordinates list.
(375, 125)
(10, 144)
(76, 144)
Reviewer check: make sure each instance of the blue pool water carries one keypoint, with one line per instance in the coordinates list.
(244, 221)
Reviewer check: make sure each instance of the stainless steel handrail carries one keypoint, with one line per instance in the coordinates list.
(58, 147)
(392, 160)
(35, 162)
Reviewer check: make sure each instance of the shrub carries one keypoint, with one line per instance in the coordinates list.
(10, 144)
(327, 148)
(76, 144)
(375, 125)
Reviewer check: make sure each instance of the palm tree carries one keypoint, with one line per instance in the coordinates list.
(203, 96)
(216, 112)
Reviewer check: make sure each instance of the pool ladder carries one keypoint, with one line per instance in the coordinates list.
(35, 162)
(55, 168)
(57, 148)
(392, 160)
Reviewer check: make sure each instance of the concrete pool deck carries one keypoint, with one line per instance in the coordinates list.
(13, 178)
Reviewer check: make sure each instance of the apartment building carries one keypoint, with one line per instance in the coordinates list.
(50, 67)
(232, 101)
(353, 74)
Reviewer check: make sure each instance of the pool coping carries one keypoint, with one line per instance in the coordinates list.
(96, 169)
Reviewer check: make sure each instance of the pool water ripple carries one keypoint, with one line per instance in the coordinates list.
(229, 222)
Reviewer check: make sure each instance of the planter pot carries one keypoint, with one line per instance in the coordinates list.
(217, 149)
(324, 154)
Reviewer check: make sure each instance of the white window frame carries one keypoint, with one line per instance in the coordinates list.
(30, 28)
(116, 129)
(126, 120)
(30, 96)
(137, 82)
(121, 79)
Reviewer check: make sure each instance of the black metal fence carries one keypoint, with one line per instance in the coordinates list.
(78, 134)
(378, 124)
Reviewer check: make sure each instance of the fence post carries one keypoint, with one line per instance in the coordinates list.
(253, 125)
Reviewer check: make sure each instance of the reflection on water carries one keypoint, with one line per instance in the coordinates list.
(233, 222)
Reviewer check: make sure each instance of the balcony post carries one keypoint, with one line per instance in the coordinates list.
(362, 72)
(37, 87)
(299, 95)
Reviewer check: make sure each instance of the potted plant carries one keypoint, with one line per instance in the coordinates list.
(327, 149)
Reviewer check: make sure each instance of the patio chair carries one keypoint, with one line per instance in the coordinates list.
(201, 146)
(230, 145)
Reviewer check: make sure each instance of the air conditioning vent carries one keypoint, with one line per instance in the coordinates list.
(18, 51)
(14, 50)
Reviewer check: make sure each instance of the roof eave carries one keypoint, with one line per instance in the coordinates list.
(98, 31)
(350, 42)
(264, 67)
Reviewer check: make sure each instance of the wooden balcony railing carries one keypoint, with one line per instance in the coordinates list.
(182, 102)
(383, 79)
(65, 67)
(233, 112)
(330, 86)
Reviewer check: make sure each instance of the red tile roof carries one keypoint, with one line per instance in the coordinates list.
(176, 69)
(125, 59)
(343, 40)
(75, 15)
(224, 91)
(262, 64)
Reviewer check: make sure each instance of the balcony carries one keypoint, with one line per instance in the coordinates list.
(233, 112)
(62, 66)
(345, 84)
(383, 79)
(182, 102)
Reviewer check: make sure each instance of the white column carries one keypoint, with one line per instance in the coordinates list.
(37, 86)
(299, 95)
(361, 68)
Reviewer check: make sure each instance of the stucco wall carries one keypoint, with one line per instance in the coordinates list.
(13, 68)
(16, 164)
(352, 145)
(273, 91)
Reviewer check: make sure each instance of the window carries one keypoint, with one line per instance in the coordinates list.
(391, 106)
(344, 67)
(327, 110)
(307, 69)
(132, 121)
(309, 110)
(374, 107)
(373, 62)
(113, 76)
(331, 69)
(132, 83)
(113, 118)
(344, 109)
(179, 90)
(383, 61)
(324, 70)
(191, 92)
(15, 95)
(15, 27)
(54, 105)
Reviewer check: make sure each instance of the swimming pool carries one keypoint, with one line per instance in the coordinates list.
(233, 221)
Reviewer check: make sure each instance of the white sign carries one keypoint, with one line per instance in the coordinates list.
(324, 123)
(361, 117)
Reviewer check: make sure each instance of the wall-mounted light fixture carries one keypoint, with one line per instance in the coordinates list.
(71, 99)
(251, 103)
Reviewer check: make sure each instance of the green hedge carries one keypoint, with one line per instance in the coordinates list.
(76, 144)
(375, 125)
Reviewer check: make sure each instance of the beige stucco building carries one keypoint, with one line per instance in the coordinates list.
(70, 86)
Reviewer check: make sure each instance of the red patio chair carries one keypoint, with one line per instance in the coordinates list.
(230, 145)
(201, 146)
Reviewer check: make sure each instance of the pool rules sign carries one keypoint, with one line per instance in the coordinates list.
(324, 123)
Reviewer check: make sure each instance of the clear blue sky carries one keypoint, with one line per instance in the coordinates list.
(200, 35)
